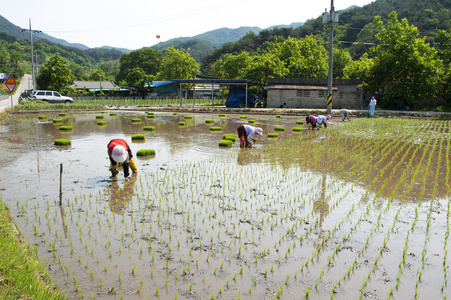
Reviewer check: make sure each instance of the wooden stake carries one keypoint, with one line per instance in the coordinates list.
(61, 184)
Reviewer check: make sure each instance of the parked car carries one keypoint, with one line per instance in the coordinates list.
(50, 97)
(25, 95)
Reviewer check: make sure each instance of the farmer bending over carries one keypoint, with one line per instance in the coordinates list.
(119, 152)
(323, 120)
(311, 121)
(344, 113)
(245, 133)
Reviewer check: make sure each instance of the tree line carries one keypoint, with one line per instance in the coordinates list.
(390, 56)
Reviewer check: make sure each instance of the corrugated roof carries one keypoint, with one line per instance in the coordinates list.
(216, 80)
(106, 85)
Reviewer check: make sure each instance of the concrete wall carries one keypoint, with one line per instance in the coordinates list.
(312, 93)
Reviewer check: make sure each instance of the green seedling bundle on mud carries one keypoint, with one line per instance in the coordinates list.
(65, 128)
(62, 142)
(145, 152)
(229, 136)
(135, 137)
(225, 143)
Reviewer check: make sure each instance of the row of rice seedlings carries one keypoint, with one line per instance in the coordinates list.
(347, 236)
(406, 246)
(314, 255)
(448, 188)
(387, 237)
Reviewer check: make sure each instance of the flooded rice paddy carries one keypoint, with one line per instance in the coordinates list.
(360, 209)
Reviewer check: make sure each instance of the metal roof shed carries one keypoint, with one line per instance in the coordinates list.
(212, 81)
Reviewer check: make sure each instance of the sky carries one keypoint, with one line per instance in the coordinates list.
(133, 24)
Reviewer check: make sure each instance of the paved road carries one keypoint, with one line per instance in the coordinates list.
(6, 102)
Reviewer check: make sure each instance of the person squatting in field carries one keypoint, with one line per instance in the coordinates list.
(119, 152)
(246, 133)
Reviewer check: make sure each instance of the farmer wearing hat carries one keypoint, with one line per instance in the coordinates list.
(323, 120)
(245, 133)
(119, 152)
(344, 113)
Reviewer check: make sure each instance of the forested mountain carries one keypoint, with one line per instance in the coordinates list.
(354, 29)
(11, 29)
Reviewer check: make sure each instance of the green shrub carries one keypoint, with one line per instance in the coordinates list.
(42, 117)
(225, 143)
(149, 116)
(188, 117)
(299, 122)
(149, 128)
(174, 114)
(181, 123)
(229, 136)
(297, 129)
(279, 128)
(62, 114)
(104, 112)
(145, 152)
(273, 135)
(278, 116)
(113, 113)
(243, 117)
(209, 121)
(62, 142)
(221, 115)
(136, 120)
(100, 117)
(251, 121)
(138, 137)
(215, 128)
(57, 120)
(101, 123)
(65, 128)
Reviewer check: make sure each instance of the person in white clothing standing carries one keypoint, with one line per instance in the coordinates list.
(372, 105)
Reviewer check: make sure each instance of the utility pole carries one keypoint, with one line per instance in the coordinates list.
(33, 77)
(330, 19)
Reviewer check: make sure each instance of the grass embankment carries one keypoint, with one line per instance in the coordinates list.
(21, 274)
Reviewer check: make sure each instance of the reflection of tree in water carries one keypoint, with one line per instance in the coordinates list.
(248, 156)
(120, 197)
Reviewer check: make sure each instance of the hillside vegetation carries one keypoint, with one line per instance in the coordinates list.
(371, 43)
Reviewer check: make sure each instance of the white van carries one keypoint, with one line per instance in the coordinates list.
(50, 97)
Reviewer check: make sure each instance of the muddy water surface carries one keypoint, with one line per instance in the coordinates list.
(357, 209)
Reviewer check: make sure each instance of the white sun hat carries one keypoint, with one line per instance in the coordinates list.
(119, 154)
(259, 131)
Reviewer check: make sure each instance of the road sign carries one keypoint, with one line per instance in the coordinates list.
(10, 83)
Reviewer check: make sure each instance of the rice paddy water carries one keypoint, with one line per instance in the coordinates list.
(358, 210)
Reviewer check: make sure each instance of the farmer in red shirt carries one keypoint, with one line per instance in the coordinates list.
(119, 152)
